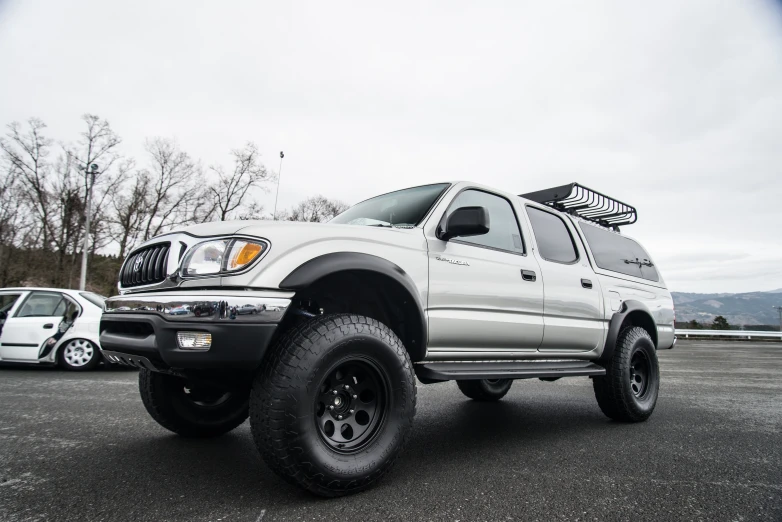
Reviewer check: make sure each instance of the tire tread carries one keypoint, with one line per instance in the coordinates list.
(613, 396)
(282, 370)
(153, 397)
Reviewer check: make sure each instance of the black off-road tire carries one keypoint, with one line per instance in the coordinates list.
(625, 393)
(179, 407)
(485, 389)
(288, 415)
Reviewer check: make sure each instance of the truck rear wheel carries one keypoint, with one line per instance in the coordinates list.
(628, 391)
(485, 389)
(191, 410)
(332, 406)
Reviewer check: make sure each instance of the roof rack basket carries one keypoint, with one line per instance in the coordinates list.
(586, 203)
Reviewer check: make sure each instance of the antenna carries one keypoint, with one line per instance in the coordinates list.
(279, 178)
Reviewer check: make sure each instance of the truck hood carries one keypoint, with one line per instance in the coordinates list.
(285, 235)
(216, 228)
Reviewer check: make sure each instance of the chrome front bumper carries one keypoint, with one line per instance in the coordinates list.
(216, 306)
(143, 328)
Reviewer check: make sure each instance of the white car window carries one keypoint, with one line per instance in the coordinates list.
(7, 302)
(42, 304)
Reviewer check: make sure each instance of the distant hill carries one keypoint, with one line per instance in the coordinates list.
(751, 308)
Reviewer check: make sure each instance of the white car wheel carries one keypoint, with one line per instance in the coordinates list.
(79, 354)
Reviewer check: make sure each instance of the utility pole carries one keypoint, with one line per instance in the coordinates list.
(779, 309)
(91, 171)
(279, 178)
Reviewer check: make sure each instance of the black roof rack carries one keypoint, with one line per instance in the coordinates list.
(586, 203)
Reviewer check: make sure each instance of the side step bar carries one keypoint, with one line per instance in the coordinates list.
(454, 371)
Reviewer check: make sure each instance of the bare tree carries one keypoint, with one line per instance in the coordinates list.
(98, 145)
(231, 190)
(130, 212)
(315, 209)
(66, 216)
(176, 194)
(15, 225)
(25, 155)
(253, 210)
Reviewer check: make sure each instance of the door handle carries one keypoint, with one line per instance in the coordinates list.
(528, 275)
(586, 283)
(48, 326)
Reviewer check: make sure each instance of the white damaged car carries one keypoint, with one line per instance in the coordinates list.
(50, 326)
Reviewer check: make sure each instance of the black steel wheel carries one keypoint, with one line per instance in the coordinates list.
(639, 373)
(333, 403)
(628, 391)
(352, 404)
(485, 389)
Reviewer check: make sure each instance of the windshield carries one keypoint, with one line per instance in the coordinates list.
(401, 208)
(95, 299)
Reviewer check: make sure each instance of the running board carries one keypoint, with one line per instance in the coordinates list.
(455, 371)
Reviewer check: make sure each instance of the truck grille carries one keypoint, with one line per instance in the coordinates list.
(146, 266)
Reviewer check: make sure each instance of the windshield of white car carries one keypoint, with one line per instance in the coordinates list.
(95, 299)
(403, 208)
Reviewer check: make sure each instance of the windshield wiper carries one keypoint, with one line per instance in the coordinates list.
(395, 225)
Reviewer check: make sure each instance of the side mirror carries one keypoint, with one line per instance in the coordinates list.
(466, 221)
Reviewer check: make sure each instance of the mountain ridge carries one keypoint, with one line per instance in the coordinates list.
(746, 308)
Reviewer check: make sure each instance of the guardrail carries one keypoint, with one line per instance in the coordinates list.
(739, 334)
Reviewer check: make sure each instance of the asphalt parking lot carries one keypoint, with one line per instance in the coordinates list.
(82, 447)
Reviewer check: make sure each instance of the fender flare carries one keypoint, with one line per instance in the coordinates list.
(634, 310)
(327, 264)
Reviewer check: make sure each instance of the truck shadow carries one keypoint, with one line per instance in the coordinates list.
(456, 436)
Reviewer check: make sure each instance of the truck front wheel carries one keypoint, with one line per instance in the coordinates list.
(191, 409)
(333, 404)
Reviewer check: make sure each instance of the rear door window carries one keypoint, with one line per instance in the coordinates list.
(618, 253)
(554, 240)
(42, 304)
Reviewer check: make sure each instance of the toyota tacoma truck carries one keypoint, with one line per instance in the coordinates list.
(320, 332)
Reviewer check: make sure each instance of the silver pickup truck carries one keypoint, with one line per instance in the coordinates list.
(320, 333)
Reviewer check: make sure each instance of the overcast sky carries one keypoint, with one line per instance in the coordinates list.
(675, 107)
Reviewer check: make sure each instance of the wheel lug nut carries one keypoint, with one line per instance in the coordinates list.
(331, 407)
(351, 411)
(339, 417)
(355, 396)
(347, 387)
(334, 392)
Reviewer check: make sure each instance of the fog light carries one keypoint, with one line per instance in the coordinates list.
(194, 340)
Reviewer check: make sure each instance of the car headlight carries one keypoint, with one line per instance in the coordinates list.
(221, 255)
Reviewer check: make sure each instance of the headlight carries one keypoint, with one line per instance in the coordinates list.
(221, 255)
